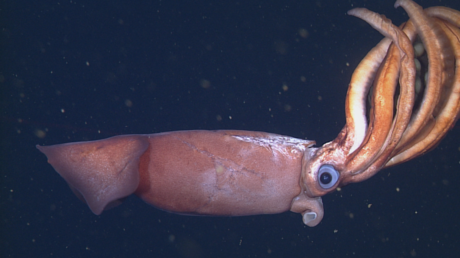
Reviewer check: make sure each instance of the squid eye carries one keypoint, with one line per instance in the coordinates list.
(327, 176)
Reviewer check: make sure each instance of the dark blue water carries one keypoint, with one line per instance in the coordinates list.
(86, 70)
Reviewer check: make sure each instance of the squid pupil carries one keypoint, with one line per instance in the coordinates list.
(325, 178)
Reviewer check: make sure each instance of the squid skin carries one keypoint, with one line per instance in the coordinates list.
(223, 173)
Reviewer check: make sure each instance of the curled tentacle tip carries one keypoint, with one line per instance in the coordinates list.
(354, 11)
(398, 3)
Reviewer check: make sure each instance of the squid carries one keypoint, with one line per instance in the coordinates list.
(396, 109)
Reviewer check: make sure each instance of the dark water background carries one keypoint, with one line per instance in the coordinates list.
(87, 70)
